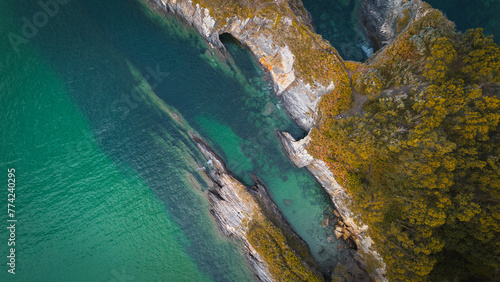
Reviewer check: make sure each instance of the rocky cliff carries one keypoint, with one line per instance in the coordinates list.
(297, 153)
(280, 36)
(232, 206)
(303, 68)
(384, 19)
(238, 209)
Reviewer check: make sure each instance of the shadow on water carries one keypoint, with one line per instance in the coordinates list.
(87, 44)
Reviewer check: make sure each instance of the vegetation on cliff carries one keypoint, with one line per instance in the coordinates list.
(283, 262)
(298, 34)
(421, 159)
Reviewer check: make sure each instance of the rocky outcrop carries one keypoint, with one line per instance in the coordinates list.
(235, 206)
(279, 36)
(276, 52)
(273, 213)
(381, 18)
(348, 227)
(232, 207)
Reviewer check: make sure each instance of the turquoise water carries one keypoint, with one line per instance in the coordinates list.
(108, 183)
(337, 22)
(85, 210)
(472, 14)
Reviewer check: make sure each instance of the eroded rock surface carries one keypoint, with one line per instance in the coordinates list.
(297, 153)
(275, 37)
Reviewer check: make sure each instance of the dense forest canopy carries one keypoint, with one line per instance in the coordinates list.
(421, 158)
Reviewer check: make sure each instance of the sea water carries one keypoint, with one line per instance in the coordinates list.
(472, 14)
(338, 22)
(108, 183)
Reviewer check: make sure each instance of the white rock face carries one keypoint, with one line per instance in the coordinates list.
(380, 17)
(287, 62)
(232, 205)
(297, 153)
(299, 99)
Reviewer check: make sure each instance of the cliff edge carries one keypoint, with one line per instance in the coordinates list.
(302, 65)
(304, 68)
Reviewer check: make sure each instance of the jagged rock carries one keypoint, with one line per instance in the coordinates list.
(346, 235)
(350, 230)
(271, 211)
(338, 234)
(346, 224)
(297, 153)
(300, 98)
(295, 150)
(336, 213)
(380, 18)
(231, 205)
(325, 222)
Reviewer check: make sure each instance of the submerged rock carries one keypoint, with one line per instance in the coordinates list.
(338, 234)
(287, 202)
(268, 109)
(325, 222)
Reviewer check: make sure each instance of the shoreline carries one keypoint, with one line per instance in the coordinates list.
(236, 208)
(295, 95)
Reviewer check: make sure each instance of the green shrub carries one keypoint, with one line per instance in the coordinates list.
(283, 263)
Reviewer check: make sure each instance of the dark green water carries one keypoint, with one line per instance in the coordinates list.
(337, 22)
(472, 14)
(108, 183)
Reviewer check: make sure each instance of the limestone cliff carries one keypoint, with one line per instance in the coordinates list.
(231, 206)
(281, 38)
(383, 20)
(297, 153)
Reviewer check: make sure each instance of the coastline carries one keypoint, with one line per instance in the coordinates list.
(237, 208)
(300, 99)
(298, 84)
